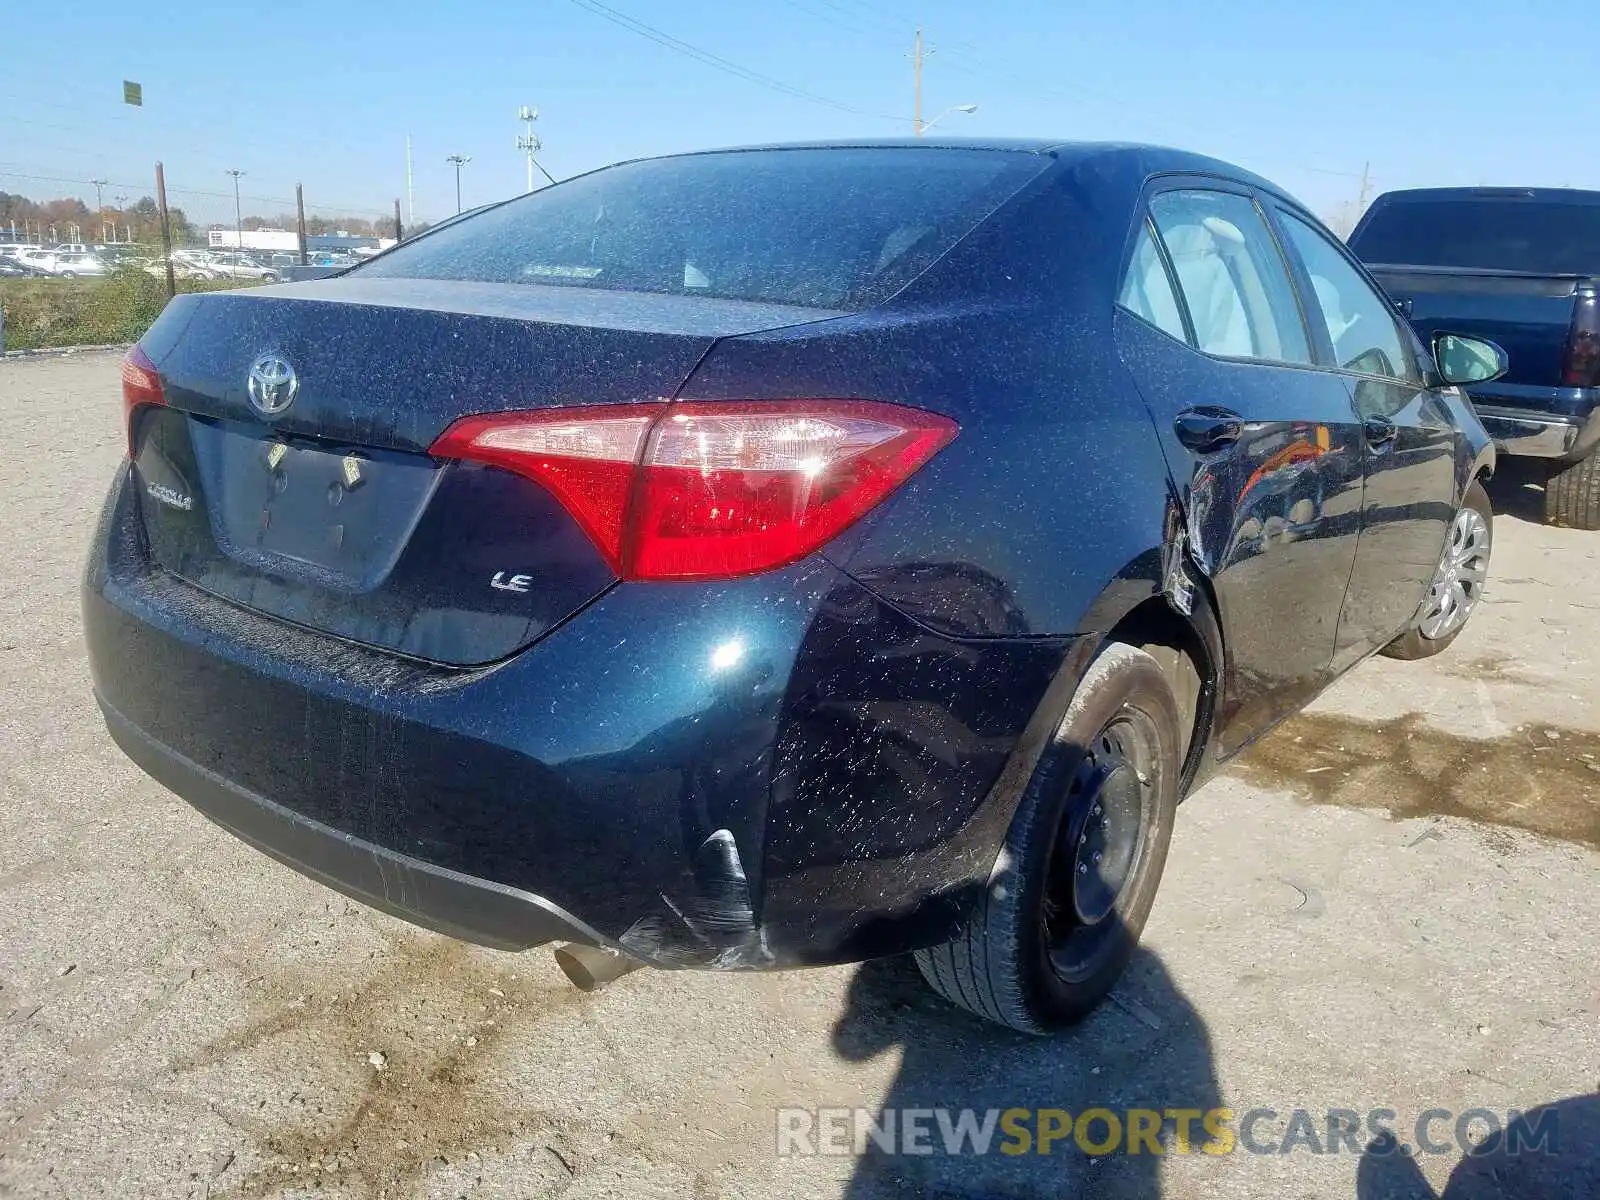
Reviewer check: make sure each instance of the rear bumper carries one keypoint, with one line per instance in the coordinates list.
(766, 772)
(474, 910)
(1529, 435)
(1538, 422)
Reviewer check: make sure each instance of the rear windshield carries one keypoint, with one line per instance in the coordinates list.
(839, 228)
(1486, 234)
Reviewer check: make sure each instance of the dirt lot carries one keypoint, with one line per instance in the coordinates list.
(1393, 904)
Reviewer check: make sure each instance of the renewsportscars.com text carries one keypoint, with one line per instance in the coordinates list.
(1215, 1131)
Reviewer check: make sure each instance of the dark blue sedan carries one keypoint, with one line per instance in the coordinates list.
(781, 556)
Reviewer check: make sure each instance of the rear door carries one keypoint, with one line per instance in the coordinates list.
(1261, 441)
(1410, 441)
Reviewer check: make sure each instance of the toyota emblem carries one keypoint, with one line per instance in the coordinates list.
(273, 384)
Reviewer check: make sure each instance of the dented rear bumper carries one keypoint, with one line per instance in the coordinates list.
(765, 772)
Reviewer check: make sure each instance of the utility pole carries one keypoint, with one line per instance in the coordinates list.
(100, 204)
(399, 230)
(300, 221)
(1366, 185)
(531, 141)
(238, 221)
(917, 56)
(411, 191)
(460, 160)
(166, 230)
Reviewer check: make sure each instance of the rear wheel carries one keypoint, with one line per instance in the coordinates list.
(1077, 876)
(1458, 581)
(1572, 494)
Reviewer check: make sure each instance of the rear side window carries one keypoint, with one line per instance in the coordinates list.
(837, 228)
(1146, 290)
(1484, 233)
(1233, 279)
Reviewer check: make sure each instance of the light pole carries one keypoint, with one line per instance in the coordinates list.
(238, 221)
(969, 109)
(460, 160)
(917, 55)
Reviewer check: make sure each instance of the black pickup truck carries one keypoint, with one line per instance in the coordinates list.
(1521, 267)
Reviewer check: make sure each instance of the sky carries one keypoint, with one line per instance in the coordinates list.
(1428, 92)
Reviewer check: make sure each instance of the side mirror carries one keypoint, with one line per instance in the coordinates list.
(1463, 359)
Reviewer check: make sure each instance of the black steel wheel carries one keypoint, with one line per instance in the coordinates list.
(1103, 837)
(1076, 879)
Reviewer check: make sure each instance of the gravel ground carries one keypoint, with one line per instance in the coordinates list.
(1392, 904)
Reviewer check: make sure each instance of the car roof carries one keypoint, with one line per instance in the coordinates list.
(1549, 195)
(1073, 154)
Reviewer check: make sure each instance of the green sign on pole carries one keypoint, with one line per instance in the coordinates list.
(132, 93)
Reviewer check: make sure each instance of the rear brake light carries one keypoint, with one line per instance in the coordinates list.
(708, 490)
(141, 384)
(1581, 366)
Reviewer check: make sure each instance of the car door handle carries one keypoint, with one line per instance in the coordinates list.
(1380, 431)
(1205, 430)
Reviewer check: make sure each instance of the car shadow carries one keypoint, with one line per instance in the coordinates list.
(1565, 1167)
(1145, 1047)
(1517, 490)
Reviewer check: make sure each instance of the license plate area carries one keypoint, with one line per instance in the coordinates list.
(336, 515)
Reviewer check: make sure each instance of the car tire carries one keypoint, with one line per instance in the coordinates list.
(1048, 938)
(1572, 494)
(1414, 643)
(67, 275)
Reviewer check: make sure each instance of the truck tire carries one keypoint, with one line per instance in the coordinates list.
(1070, 892)
(1572, 494)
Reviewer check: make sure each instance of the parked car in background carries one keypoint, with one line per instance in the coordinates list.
(783, 556)
(189, 263)
(231, 264)
(1520, 266)
(14, 268)
(70, 265)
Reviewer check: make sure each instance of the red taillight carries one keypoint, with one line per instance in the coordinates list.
(140, 385)
(703, 490)
(1581, 366)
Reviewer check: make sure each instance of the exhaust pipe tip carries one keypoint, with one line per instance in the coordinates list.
(590, 968)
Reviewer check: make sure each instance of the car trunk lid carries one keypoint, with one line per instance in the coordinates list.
(331, 513)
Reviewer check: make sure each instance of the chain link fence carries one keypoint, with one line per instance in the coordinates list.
(87, 261)
(53, 209)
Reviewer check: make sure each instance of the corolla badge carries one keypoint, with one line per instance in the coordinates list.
(273, 384)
